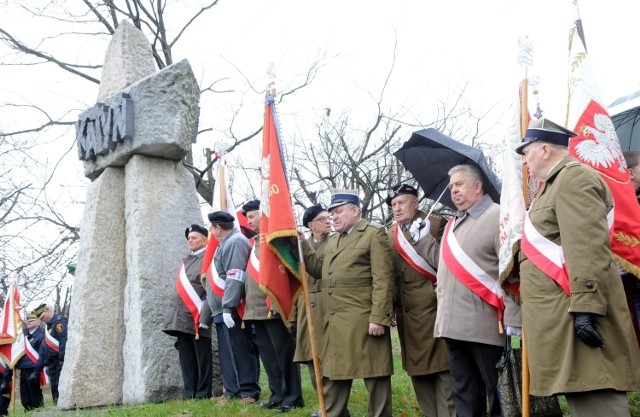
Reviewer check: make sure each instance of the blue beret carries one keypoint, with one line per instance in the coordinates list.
(196, 228)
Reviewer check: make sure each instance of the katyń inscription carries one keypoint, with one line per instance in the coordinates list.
(100, 128)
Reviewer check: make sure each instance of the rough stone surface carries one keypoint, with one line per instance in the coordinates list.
(128, 59)
(93, 369)
(160, 202)
(165, 107)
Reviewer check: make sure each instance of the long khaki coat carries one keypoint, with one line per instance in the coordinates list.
(571, 210)
(357, 285)
(314, 286)
(415, 304)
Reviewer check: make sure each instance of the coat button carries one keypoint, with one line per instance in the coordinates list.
(330, 292)
(404, 291)
(406, 309)
(312, 305)
(332, 312)
(590, 284)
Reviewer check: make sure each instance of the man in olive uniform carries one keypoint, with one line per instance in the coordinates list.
(578, 330)
(357, 292)
(53, 347)
(316, 218)
(275, 344)
(471, 303)
(415, 244)
(194, 349)
(238, 359)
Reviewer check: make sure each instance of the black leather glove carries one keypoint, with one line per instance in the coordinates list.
(4, 387)
(585, 329)
(33, 376)
(293, 328)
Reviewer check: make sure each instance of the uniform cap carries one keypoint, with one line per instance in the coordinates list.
(40, 310)
(342, 197)
(544, 130)
(31, 315)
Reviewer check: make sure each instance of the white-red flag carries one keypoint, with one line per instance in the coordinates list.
(221, 201)
(11, 334)
(597, 145)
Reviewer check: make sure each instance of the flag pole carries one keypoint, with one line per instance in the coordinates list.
(524, 120)
(525, 59)
(312, 331)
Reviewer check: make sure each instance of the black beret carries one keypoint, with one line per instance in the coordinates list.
(218, 217)
(197, 229)
(251, 205)
(40, 310)
(311, 213)
(400, 189)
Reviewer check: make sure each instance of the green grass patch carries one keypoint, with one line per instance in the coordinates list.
(404, 401)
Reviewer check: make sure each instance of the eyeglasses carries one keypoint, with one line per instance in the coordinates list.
(321, 219)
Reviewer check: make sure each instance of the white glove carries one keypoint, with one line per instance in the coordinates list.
(203, 326)
(228, 320)
(419, 229)
(514, 331)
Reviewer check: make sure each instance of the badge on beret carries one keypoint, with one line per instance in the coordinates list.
(59, 327)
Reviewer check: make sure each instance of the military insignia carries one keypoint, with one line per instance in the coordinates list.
(59, 328)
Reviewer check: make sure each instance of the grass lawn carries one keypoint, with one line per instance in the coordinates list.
(404, 402)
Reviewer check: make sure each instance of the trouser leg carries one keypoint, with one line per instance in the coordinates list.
(379, 396)
(598, 403)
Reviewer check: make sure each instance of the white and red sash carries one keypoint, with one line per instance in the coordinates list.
(189, 297)
(31, 353)
(411, 256)
(52, 342)
(469, 273)
(546, 255)
(253, 268)
(218, 283)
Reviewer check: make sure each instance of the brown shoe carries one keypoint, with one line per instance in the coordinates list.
(248, 400)
(221, 400)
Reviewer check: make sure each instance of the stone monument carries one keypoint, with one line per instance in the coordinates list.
(132, 233)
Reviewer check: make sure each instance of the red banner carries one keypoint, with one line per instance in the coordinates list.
(597, 145)
(279, 268)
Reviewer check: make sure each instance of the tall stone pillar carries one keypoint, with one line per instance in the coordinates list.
(132, 235)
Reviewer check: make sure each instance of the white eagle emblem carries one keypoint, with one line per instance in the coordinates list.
(604, 149)
(265, 185)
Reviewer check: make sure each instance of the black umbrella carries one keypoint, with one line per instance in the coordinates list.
(430, 154)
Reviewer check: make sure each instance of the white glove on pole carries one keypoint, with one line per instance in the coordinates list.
(514, 331)
(419, 229)
(228, 320)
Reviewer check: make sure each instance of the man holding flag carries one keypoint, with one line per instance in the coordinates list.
(189, 319)
(577, 327)
(55, 342)
(225, 296)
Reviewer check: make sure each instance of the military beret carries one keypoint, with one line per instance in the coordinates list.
(218, 217)
(544, 130)
(342, 197)
(311, 213)
(251, 205)
(195, 228)
(31, 315)
(40, 310)
(400, 189)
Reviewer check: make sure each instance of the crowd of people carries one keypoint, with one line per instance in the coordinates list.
(45, 348)
(438, 280)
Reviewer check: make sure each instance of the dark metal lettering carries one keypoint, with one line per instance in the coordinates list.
(100, 128)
